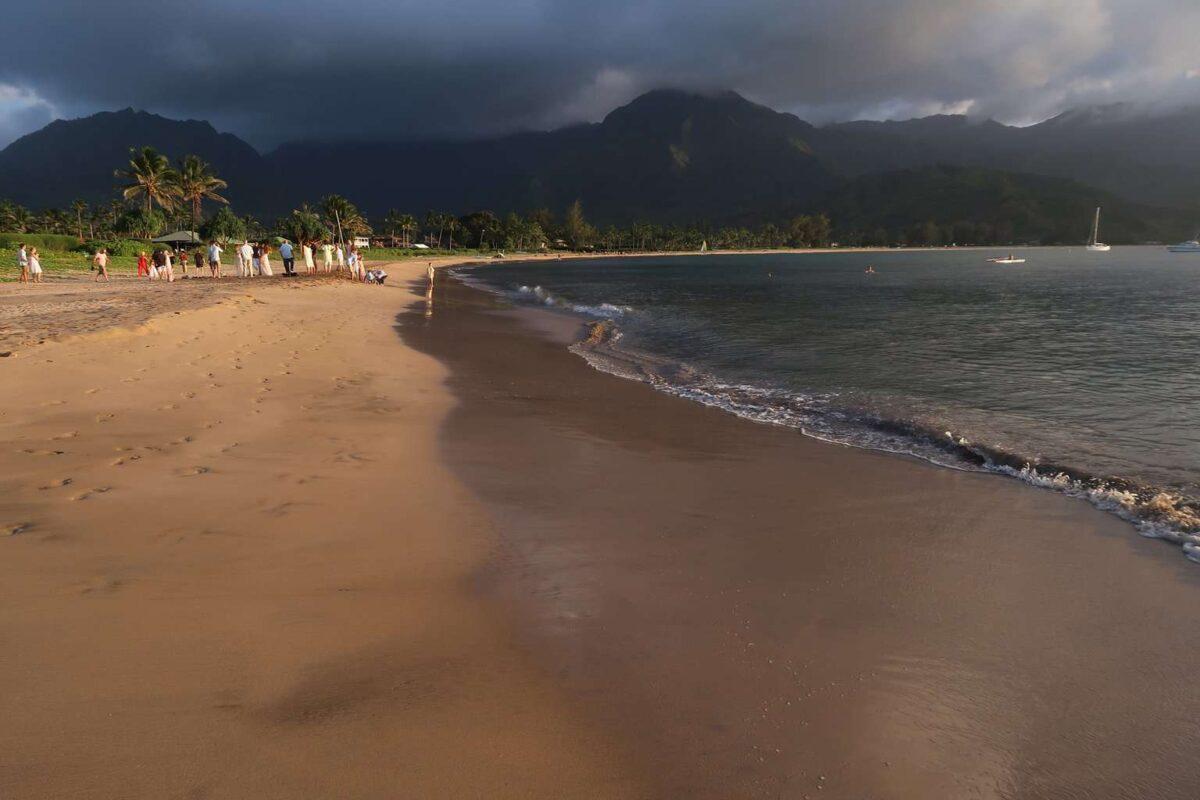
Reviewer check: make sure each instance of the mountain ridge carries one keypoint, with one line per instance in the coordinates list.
(669, 156)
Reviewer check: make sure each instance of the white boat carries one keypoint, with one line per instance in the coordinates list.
(1191, 246)
(1008, 260)
(1094, 244)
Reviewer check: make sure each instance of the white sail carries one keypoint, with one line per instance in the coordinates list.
(1094, 243)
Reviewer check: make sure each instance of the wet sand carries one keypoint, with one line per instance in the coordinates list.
(755, 614)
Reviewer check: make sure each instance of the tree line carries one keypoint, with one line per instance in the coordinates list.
(156, 196)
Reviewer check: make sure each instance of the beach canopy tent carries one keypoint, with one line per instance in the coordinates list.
(178, 237)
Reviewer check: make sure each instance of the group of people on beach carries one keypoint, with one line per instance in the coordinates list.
(252, 258)
(29, 261)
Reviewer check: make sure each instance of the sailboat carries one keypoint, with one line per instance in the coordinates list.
(1094, 244)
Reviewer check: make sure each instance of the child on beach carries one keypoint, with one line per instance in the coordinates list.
(198, 258)
(100, 260)
(143, 265)
(23, 262)
(182, 257)
(35, 266)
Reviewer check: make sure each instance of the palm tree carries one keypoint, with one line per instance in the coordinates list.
(79, 207)
(150, 174)
(435, 220)
(197, 183)
(408, 224)
(391, 221)
(343, 217)
(451, 223)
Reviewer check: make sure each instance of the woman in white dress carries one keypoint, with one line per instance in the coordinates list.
(308, 258)
(327, 250)
(264, 261)
(341, 258)
(35, 265)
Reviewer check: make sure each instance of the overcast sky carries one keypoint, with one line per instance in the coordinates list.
(271, 70)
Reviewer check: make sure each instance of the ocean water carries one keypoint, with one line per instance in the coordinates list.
(1075, 371)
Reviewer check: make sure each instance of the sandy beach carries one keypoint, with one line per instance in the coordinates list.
(317, 539)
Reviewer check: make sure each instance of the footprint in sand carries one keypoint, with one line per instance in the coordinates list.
(104, 417)
(191, 472)
(54, 403)
(168, 407)
(188, 395)
(15, 528)
(67, 435)
(216, 386)
(92, 493)
(183, 440)
(120, 462)
(34, 452)
(58, 484)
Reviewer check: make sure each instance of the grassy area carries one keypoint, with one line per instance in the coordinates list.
(59, 263)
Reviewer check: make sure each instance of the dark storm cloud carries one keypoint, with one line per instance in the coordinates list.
(277, 70)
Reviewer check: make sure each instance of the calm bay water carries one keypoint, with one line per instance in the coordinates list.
(1076, 370)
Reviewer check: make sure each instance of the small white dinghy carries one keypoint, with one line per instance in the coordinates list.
(1008, 260)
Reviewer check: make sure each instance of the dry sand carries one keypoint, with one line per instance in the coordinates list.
(234, 566)
(262, 548)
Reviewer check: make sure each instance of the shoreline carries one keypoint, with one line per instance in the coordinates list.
(1152, 512)
(755, 613)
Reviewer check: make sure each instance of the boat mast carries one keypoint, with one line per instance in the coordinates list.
(1096, 228)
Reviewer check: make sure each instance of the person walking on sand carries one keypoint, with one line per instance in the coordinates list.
(214, 259)
(247, 254)
(429, 272)
(327, 250)
(289, 257)
(264, 261)
(182, 258)
(35, 266)
(143, 265)
(23, 262)
(309, 264)
(198, 259)
(341, 257)
(100, 260)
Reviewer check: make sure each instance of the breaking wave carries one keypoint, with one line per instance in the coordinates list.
(1155, 512)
